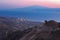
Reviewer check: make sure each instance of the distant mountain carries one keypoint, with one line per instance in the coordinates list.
(36, 13)
(32, 8)
(37, 8)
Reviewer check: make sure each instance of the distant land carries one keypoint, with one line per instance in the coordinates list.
(34, 13)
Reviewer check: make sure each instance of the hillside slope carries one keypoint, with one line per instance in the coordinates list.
(10, 24)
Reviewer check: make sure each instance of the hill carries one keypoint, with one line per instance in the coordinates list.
(11, 23)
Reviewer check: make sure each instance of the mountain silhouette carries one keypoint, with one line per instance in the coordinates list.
(38, 13)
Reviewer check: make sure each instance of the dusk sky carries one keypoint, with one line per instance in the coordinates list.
(23, 3)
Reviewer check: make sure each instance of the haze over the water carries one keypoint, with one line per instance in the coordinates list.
(23, 3)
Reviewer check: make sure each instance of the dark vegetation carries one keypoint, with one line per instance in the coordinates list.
(14, 29)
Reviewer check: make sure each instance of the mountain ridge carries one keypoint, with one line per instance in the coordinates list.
(33, 13)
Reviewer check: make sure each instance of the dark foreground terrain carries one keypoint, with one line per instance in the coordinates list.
(21, 29)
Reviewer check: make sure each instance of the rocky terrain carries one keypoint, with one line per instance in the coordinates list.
(21, 29)
(8, 24)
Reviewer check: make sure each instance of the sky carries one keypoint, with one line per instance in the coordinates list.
(24, 3)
